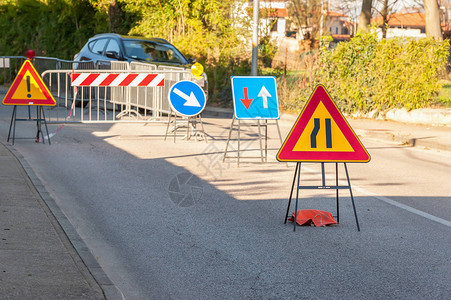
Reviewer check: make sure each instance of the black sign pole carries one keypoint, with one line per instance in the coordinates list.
(291, 193)
(297, 197)
(45, 124)
(12, 123)
(38, 124)
(336, 183)
(352, 198)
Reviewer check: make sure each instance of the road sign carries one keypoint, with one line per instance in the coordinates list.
(187, 98)
(28, 89)
(255, 97)
(322, 134)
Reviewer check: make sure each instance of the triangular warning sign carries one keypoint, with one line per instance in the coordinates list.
(28, 89)
(322, 134)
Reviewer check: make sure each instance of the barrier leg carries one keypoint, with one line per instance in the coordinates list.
(228, 140)
(46, 128)
(297, 198)
(291, 193)
(336, 191)
(13, 121)
(352, 198)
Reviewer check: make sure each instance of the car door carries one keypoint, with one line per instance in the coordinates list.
(113, 50)
(97, 48)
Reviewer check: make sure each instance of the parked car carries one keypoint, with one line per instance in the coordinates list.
(103, 48)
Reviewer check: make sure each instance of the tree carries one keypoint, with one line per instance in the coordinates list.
(365, 16)
(306, 15)
(349, 8)
(385, 8)
(432, 17)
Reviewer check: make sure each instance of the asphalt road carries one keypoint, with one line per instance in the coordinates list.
(222, 236)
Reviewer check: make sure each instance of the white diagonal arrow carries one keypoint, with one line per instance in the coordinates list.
(191, 100)
(264, 94)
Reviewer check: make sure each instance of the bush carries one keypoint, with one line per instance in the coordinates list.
(365, 74)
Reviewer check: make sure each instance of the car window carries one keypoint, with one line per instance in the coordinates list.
(113, 46)
(153, 52)
(98, 46)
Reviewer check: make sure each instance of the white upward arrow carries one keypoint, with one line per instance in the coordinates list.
(264, 94)
(191, 100)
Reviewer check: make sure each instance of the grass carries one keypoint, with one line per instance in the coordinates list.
(444, 96)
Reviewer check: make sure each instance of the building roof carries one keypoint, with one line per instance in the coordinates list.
(335, 14)
(403, 20)
(274, 12)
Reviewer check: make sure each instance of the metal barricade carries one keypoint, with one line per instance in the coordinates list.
(99, 104)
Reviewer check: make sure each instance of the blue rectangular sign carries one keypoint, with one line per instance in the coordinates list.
(255, 97)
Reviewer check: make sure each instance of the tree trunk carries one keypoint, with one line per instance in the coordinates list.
(365, 16)
(114, 16)
(432, 16)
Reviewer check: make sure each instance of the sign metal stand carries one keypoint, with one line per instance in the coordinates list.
(254, 99)
(40, 117)
(336, 187)
(263, 152)
(187, 100)
(189, 122)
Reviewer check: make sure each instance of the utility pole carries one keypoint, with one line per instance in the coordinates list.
(255, 38)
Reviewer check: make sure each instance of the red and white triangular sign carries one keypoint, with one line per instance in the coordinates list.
(322, 134)
(28, 89)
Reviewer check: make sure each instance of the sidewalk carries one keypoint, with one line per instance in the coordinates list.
(37, 259)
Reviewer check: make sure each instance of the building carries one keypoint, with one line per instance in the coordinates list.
(402, 25)
(273, 17)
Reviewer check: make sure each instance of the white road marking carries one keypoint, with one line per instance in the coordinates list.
(389, 201)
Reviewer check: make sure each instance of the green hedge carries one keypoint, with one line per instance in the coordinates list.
(367, 74)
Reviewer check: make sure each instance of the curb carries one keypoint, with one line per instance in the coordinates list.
(109, 289)
(405, 139)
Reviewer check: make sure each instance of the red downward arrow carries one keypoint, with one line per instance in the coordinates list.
(246, 101)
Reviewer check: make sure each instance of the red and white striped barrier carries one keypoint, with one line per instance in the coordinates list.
(117, 79)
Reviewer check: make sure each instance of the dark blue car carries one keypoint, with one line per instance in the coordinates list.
(103, 48)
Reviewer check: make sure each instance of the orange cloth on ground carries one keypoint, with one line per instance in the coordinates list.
(317, 217)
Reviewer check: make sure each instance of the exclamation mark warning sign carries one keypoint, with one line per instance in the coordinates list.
(28, 89)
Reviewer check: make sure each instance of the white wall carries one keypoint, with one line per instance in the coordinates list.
(401, 32)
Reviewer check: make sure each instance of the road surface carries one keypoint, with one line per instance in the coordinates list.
(221, 235)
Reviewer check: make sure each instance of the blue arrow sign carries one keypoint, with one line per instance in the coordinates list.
(187, 98)
(255, 97)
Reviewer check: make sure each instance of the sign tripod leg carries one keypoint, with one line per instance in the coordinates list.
(167, 127)
(203, 128)
(239, 143)
(352, 198)
(45, 124)
(260, 139)
(291, 193)
(169, 123)
(266, 140)
(12, 124)
(41, 117)
(336, 192)
(38, 125)
(228, 140)
(297, 198)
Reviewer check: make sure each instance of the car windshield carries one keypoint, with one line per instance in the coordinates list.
(153, 52)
